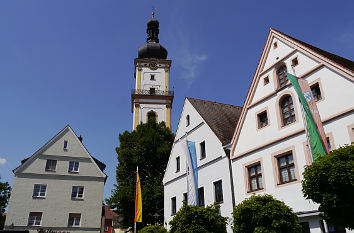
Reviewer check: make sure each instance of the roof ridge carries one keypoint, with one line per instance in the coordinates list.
(341, 61)
(213, 102)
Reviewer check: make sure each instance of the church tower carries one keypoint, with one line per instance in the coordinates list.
(152, 97)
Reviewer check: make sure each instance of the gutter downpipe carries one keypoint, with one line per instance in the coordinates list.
(227, 152)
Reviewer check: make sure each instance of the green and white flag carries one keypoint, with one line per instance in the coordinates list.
(316, 145)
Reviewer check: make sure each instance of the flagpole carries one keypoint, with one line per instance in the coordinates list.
(137, 169)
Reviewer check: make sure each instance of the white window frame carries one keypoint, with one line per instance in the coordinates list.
(74, 217)
(50, 169)
(73, 170)
(76, 189)
(66, 144)
(40, 191)
(33, 218)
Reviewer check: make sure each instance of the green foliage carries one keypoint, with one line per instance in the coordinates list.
(198, 220)
(329, 181)
(5, 191)
(149, 148)
(153, 229)
(264, 214)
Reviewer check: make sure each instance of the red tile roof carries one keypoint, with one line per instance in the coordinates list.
(108, 212)
(346, 63)
(221, 118)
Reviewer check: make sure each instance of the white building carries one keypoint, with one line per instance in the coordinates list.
(60, 187)
(269, 150)
(210, 125)
(151, 97)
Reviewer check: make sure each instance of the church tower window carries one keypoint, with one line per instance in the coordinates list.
(151, 115)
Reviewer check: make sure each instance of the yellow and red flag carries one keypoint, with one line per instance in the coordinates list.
(138, 202)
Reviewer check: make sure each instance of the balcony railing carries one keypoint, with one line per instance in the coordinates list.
(152, 92)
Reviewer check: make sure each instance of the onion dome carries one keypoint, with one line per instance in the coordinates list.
(152, 48)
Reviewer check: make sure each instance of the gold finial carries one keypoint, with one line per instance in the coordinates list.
(153, 11)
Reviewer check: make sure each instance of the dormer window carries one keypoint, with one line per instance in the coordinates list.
(65, 145)
(187, 120)
(152, 77)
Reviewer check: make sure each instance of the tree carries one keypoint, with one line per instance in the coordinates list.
(264, 214)
(329, 181)
(198, 220)
(149, 148)
(153, 229)
(5, 191)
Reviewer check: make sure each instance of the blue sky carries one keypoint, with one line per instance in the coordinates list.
(71, 61)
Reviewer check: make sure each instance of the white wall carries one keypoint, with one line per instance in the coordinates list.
(175, 183)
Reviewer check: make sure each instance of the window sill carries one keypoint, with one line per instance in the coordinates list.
(285, 183)
(50, 171)
(38, 197)
(77, 199)
(203, 158)
(256, 190)
(73, 172)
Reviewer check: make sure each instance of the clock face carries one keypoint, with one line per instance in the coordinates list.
(153, 65)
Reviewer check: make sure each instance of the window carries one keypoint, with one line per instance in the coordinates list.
(151, 115)
(152, 91)
(178, 165)
(255, 177)
(316, 92)
(329, 144)
(281, 76)
(202, 150)
(74, 220)
(34, 218)
(286, 168)
(152, 77)
(287, 110)
(275, 45)
(218, 191)
(201, 197)
(294, 62)
(51, 165)
(65, 145)
(265, 81)
(305, 227)
(39, 190)
(185, 198)
(74, 166)
(187, 120)
(173, 206)
(262, 119)
(77, 192)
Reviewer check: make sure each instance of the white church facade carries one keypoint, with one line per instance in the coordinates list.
(269, 147)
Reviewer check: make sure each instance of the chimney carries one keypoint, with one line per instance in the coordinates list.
(80, 138)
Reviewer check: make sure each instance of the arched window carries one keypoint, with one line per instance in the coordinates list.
(287, 110)
(187, 120)
(151, 115)
(281, 76)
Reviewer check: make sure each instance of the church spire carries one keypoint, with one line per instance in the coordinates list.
(152, 48)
